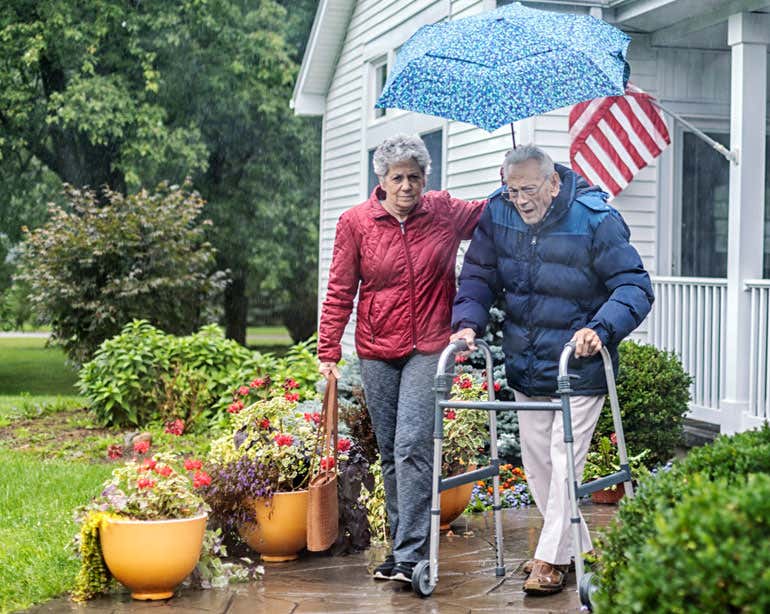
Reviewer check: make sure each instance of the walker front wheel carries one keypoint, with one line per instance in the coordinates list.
(587, 588)
(421, 579)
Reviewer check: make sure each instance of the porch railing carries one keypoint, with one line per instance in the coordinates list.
(759, 361)
(688, 318)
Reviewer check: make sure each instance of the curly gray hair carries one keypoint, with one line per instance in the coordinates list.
(528, 152)
(400, 148)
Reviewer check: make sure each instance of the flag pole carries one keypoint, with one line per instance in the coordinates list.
(732, 156)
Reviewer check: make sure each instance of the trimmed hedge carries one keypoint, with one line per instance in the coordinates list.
(697, 496)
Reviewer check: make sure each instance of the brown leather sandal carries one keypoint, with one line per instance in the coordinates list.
(526, 568)
(546, 579)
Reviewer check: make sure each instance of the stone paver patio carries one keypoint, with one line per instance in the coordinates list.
(323, 584)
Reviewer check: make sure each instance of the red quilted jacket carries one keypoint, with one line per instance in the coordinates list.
(404, 275)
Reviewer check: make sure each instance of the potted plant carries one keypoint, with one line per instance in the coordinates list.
(465, 434)
(603, 460)
(145, 529)
(260, 470)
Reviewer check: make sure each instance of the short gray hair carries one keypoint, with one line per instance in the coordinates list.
(401, 148)
(528, 152)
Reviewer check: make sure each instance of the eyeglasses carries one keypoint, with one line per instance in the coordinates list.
(511, 195)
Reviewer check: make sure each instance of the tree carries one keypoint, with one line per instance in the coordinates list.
(125, 94)
(112, 259)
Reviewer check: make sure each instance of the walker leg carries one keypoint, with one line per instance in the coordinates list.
(572, 487)
(497, 506)
(435, 511)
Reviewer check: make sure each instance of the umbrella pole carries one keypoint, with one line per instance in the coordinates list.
(513, 136)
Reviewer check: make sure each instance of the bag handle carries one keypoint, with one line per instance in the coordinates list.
(326, 440)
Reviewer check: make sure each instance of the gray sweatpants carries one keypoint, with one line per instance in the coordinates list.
(400, 400)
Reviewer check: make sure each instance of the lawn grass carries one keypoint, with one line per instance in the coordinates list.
(37, 498)
(257, 336)
(27, 366)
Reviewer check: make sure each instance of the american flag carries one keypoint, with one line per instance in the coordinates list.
(613, 138)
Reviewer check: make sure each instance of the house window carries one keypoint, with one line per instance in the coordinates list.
(434, 141)
(705, 202)
(373, 179)
(379, 77)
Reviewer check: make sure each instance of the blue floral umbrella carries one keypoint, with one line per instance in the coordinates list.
(514, 62)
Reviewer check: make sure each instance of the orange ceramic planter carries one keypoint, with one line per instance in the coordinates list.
(453, 503)
(151, 557)
(281, 528)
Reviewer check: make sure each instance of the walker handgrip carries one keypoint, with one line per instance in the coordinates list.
(461, 345)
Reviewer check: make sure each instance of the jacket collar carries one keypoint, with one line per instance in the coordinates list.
(377, 211)
(563, 200)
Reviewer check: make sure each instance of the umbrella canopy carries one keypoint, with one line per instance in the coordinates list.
(507, 64)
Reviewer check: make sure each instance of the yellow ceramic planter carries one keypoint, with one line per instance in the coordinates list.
(281, 528)
(453, 503)
(151, 557)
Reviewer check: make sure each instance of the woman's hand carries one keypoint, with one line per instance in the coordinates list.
(327, 369)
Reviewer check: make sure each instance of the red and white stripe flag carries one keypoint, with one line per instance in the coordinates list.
(613, 138)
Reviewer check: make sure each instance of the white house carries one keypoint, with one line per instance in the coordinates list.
(697, 220)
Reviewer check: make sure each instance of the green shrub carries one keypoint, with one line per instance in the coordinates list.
(102, 263)
(653, 393)
(144, 374)
(708, 554)
(728, 459)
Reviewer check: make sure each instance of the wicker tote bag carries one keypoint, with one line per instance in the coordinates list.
(323, 508)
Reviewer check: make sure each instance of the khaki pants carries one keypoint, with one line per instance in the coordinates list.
(545, 465)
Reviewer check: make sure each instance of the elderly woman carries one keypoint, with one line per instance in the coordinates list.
(398, 251)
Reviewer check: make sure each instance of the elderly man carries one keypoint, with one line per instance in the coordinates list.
(559, 255)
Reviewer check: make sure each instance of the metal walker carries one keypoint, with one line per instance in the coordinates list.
(425, 574)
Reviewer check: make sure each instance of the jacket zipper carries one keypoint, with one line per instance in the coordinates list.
(411, 284)
(532, 246)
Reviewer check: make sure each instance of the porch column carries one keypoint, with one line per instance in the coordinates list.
(748, 37)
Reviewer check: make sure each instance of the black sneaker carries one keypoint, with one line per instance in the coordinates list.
(384, 571)
(402, 572)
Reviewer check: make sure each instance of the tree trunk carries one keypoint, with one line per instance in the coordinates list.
(236, 306)
(300, 317)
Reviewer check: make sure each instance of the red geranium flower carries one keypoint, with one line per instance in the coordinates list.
(466, 382)
(148, 464)
(235, 407)
(283, 440)
(175, 427)
(450, 414)
(343, 444)
(456, 379)
(264, 423)
(191, 464)
(291, 396)
(484, 386)
(114, 451)
(314, 417)
(459, 358)
(243, 390)
(259, 382)
(201, 478)
(164, 470)
(327, 462)
(143, 483)
(290, 384)
(141, 447)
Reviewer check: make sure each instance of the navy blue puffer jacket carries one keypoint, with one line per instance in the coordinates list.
(572, 270)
